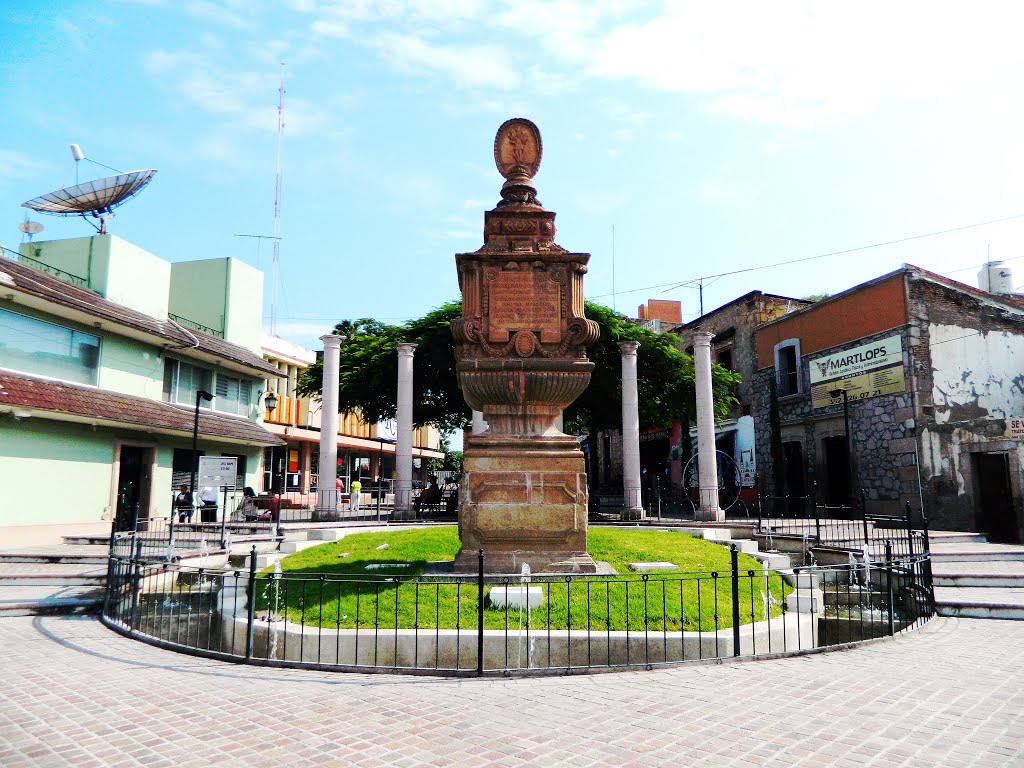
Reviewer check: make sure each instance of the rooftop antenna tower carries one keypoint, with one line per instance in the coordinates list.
(97, 198)
(277, 208)
(613, 267)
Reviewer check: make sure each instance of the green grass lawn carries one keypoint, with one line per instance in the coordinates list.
(332, 586)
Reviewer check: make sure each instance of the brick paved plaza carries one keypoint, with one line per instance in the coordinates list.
(76, 694)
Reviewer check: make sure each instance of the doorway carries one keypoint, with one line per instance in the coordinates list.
(837, 470)
(793, 459)
(133, 476)
(994, 512)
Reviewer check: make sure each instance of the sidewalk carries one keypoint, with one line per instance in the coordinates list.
(76, 694)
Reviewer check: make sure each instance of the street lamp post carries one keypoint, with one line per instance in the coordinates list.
(270, 400)
(380, 474)
(200, 396)
(846, 431)
(270, 403)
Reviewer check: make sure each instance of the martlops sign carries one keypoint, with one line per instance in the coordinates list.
(877, 354)
(869, 370)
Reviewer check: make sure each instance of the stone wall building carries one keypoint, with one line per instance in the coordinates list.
(932, 374)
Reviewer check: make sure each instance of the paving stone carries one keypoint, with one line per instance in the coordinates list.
(950, 694)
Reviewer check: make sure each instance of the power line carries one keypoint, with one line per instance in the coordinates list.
(672, 286)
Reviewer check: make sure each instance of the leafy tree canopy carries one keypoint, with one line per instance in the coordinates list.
(369, 373)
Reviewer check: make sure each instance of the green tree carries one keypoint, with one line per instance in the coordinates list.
(369, 373)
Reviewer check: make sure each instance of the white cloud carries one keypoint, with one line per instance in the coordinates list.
(216, 14)
(413, 12)
(73, 34)
(15, 165)
(325, 28)
(809, 63)
(621, 112)
(222, 149)
(244, 97)
(474, 66)
(801, 63)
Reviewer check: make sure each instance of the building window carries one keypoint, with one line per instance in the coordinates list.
(233, 395)
(182, 380)
(787, 367)
(36, 346)
(725, 358)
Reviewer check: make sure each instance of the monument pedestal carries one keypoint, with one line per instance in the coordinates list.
(524, 499)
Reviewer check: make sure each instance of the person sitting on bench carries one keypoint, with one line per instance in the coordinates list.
(429, 495)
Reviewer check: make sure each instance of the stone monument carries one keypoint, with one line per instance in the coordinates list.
(520, 349)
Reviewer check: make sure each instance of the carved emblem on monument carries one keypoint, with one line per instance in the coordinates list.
(517, 148)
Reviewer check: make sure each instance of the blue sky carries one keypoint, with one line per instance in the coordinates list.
(712, 136)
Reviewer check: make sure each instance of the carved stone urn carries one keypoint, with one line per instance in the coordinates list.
(521, 359)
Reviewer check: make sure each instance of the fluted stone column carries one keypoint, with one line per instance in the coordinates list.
(327, 472)
(707, 463)
(403, 445)
(632, 506)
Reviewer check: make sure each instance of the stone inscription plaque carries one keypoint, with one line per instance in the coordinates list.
(525, 301)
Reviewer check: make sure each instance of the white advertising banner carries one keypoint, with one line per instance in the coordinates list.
(867, 357)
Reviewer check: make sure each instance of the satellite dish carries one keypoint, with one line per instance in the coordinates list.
(30, 227)
(98, 197)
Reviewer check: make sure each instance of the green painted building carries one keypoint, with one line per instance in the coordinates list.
(102, 349)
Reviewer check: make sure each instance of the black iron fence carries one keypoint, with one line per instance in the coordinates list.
(474, 624)
(849, 527)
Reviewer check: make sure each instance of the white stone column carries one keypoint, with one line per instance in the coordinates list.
(632, 506)
(707, 461)
(403, 444)
(327, 470)
(479, 425)
(560, 422)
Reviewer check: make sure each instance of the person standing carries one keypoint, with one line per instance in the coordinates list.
(183, 504)
(356, 488)
(208, 504)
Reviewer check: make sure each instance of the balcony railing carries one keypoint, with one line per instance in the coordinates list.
(196, 326)
(40, 266)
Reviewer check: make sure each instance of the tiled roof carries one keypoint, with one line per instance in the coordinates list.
(55, 290)
(88, 403)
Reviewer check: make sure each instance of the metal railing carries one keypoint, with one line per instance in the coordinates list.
(845, 527)
(475, 624)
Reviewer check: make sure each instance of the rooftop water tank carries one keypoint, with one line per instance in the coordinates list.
(995, 278)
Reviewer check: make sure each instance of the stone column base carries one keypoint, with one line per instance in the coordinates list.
(326, 505)
(523, 500)
(633, 513)
(709, 514)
